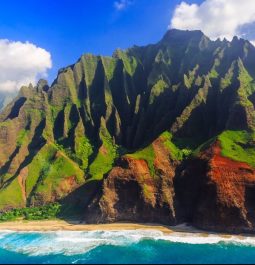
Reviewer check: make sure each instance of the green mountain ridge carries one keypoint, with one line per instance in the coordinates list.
(186, 89)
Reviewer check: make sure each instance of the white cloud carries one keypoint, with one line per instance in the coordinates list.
(122, 4)
(216, 18)
(21, 64)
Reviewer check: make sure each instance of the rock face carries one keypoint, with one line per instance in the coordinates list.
(132, 193)
(217, 193)
(162, 133)
(211, 192)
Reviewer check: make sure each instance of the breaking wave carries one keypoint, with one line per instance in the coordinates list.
(75, 243)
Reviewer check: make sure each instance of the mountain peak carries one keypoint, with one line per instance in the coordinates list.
(183, 34)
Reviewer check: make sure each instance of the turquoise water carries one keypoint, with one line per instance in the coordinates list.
(122, 247)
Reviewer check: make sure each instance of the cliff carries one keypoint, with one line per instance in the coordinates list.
(161, 133)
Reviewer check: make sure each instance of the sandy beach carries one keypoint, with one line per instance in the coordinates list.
(60, 225)
(177, 234)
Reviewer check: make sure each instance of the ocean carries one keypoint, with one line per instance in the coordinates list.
(124, 247)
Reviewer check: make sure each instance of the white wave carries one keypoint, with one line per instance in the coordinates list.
(4, 233)
(74, 243)
(199, 239)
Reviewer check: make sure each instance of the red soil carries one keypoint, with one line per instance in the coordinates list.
(231, 179)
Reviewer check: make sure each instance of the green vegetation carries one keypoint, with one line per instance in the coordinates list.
(39, 167)
(53, 178)
(177, 152)
(49, 170)
(214, 74)
(227, 80)
(130, 63)
(247, 86)
(83, 150)
(157, 90)
(199, 99)
(48, 212)
(239, 146)
(106, 155)
(22, 137)
(146, 154)
(190, 78)
(236, 145)
(89, 63)
(137, 104)
(109, 64)
(179, 149)
(66, 78)
(11, 195)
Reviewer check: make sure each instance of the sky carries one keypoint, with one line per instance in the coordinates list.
(37, 38)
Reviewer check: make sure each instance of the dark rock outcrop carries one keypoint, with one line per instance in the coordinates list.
(131, 193)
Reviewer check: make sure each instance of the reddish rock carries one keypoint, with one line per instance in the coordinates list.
(210, 192)
(217, 193)
(131, 193)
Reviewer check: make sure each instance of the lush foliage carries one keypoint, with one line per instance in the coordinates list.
(37, 213)
(178, 152)
(105, 157)
(239, 146)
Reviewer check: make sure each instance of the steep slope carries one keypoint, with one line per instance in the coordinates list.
(139, 188)
(220, 195)
(133, 123)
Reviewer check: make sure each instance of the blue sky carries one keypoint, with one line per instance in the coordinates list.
(67, 29)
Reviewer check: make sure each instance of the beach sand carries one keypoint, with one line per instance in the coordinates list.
(181, 233)
(60, 225)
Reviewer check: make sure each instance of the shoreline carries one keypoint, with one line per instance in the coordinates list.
(178, 234)
(76, 226)
(60, 225)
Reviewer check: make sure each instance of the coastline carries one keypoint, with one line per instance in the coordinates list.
(61, 225)
(178, 234)
(70, 242)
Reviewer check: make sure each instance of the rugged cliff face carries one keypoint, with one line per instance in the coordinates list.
(216, 193)
(137, 190)
(162, 133)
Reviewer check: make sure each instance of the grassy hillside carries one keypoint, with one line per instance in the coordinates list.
(239, 146)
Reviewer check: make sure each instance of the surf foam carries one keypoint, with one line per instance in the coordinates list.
(75, 243)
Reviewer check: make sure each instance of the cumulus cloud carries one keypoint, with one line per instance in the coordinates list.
(21, 64)
(122, 4)
(217, 18)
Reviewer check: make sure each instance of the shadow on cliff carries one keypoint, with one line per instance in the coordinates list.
(75, 205)
(189, 183)
(34, 147)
